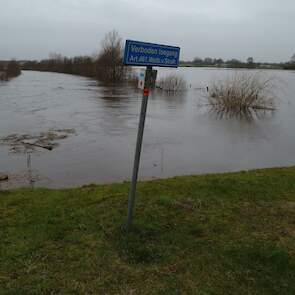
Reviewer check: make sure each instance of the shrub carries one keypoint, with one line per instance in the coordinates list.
(172, 83)
(242, 92)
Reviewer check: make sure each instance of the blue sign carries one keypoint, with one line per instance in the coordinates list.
(148, 54)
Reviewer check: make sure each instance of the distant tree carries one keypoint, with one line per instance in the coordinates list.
(234, 63)
(208, 61)
(109, 66)
(197, 61)
(219, 61)
(292, 60)
(250, 60)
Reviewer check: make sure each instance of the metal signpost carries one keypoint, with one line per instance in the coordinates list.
(148, 55)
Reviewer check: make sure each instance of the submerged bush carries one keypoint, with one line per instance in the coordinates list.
(242, 92)
(172, 83)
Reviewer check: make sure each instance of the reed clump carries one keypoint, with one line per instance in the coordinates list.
(242, 92)
(172, 83)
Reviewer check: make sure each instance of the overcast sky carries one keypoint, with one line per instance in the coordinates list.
(264, 29)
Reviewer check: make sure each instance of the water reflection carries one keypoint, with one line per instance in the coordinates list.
(244, 114)
(172, 102)
(118, 107)
(115, 93)
(178, 97)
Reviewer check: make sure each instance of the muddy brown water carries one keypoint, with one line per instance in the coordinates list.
(181, 137)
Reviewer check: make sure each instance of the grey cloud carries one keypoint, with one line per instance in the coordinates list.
(217, 28)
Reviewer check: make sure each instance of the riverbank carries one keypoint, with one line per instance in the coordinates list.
(208, 234)
(5, 77)
(9, 69)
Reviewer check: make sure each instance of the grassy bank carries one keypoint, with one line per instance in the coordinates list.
(211, 234)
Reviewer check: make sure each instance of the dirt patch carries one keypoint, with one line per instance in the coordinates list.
(287, 205)
(22, 143)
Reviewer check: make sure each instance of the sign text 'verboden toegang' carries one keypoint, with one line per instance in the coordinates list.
(149, 54)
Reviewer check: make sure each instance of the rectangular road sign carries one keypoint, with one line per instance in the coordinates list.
(149, 54)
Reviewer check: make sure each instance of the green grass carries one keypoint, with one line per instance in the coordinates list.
(209, 234)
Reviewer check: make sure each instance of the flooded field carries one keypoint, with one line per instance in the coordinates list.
(95, 130)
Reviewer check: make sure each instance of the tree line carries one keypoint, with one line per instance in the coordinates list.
(236, 63)
(106, 66)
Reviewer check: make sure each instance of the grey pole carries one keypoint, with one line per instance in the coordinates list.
(132, 192)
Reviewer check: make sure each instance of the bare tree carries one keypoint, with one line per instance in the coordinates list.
(197, 61)
(109, 66)
(250, 60)
(292, 60)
